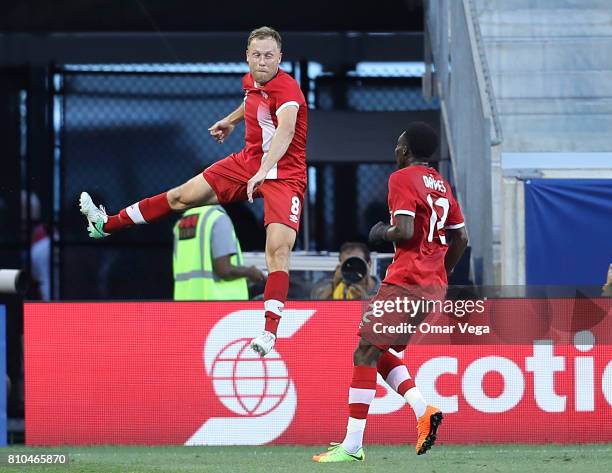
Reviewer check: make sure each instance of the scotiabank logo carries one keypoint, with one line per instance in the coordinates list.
(192, 378)
(258, 391)
(540, 367)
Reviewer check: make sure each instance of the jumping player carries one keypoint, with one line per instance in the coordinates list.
(424, 217)
(272, 166)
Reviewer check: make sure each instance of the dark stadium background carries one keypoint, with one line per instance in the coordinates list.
(124, 134)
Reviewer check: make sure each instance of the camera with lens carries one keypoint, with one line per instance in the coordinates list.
(354, 270)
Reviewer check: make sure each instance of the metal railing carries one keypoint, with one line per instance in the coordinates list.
(481, 66)
(462, 82)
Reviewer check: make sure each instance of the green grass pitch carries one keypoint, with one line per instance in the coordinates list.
(441, 459)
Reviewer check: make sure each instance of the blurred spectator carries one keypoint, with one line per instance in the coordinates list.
(607, 287)
(40, 250)
(207, 262)
(352, 278)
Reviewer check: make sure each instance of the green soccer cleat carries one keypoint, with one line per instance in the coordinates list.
(336, 453)
(96, 217)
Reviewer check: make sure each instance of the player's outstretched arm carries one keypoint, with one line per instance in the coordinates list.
(224, 127)
(456, 247)
(281, 140)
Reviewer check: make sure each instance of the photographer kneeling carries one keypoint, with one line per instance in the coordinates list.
(352, 279)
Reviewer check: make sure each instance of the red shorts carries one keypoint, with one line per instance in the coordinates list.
(283, 198)
(385, 321)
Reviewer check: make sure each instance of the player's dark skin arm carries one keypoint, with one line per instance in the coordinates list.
(224, 268)
(458, 243)
(402, 230)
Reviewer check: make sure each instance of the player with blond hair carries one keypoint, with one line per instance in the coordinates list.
(272, 166)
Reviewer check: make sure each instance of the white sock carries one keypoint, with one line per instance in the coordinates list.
(414, 397)
(354, 435)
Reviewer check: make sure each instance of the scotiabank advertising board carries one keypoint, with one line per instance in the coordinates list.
(182, 373)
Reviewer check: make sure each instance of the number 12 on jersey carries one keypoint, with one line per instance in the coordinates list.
(436, 223)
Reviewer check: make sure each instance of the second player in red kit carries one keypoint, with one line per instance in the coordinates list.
(427, 229)
(420, 192)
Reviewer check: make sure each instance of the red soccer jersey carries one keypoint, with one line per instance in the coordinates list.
(421, 192)
(262, 104)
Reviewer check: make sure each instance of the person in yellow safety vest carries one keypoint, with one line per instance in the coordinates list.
(207, 261)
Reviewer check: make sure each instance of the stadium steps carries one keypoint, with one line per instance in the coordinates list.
(551, 54)
(545, 23)
(555, 106)
(563, 133)
(551, 71)
(505, 5)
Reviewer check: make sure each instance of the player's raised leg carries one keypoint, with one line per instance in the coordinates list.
(193, 193)
(279, 242)
(396, 375)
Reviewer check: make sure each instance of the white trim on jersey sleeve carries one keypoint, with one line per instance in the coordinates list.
(403, 212)
(287, 104)
(454, 227)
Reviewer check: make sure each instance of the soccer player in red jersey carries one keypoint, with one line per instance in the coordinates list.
(427, 229)
(272, 166)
